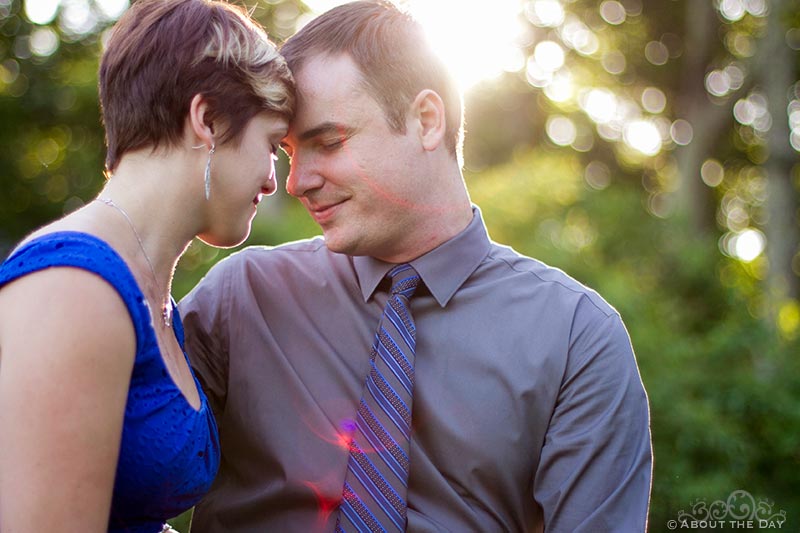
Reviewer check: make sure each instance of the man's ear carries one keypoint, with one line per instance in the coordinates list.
(428, 109)
(201, 127)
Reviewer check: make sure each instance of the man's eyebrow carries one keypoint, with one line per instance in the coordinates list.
(325, 127)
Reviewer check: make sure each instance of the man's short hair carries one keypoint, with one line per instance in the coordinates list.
(162, 53)
(391, 51)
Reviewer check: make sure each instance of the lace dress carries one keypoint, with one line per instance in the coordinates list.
(169, 452)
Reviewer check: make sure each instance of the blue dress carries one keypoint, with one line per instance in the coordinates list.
(169, 452)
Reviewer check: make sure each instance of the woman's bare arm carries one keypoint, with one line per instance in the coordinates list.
(67, 347)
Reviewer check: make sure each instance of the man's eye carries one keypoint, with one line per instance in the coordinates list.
(332, 145)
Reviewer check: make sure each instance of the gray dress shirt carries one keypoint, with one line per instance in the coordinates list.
(528, 414)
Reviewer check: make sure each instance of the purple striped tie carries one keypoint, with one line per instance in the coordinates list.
(376, 484)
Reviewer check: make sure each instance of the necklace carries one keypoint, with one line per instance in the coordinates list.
(166, 305)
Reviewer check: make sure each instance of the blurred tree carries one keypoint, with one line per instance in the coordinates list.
(51, 145)
(647, 147)
(694, 98)
(706, 119)
(777, 74)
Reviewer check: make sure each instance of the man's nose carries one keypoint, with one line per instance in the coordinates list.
(304, 175)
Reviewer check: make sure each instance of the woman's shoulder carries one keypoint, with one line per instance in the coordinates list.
(58, 258)
(70, 236)
(67, 248)
(76, 223)
(68, 313)
(60, 261)
(71, 249)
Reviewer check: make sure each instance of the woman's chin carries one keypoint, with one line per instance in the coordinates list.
(224, 241)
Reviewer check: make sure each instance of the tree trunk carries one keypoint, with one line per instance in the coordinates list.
(777, 75)
(695, 201)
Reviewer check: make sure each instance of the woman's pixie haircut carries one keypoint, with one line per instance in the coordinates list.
(162, 53)
(394, 57)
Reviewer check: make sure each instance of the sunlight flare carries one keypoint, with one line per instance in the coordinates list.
(476, 41)
(643, 135)
(41, 11)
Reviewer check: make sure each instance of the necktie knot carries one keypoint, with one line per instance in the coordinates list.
(405, 280)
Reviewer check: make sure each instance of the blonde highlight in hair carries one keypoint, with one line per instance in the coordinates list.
(163, 52)
(232, 47)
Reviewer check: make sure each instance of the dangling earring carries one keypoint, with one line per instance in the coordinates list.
(208, 171)
(272, 182)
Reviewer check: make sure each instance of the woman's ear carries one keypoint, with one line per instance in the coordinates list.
(201, 127)
(428, 109)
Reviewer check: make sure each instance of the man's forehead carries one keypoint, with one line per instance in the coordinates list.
(330, 90)
(326, 75)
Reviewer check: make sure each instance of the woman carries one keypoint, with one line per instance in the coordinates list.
(102, 423)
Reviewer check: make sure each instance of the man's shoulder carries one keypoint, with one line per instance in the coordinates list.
(303, 246)
(311, 249)
(530, 274)
(297, 260)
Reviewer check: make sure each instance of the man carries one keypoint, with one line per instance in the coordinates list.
(526, 409)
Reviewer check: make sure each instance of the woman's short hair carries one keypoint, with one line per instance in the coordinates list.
(161, 53)
(391, 51)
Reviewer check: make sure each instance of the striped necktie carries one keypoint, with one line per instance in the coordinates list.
(376, 484)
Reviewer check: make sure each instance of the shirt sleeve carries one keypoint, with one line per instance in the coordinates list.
(595, 469)
(205, 312)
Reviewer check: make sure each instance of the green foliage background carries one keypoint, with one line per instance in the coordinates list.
(720, 368)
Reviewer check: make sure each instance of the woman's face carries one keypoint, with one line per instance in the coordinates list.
(241, 174)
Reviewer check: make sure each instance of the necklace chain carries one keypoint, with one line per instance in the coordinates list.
(166, 305)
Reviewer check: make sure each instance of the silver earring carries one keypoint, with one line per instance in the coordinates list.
(208, 171)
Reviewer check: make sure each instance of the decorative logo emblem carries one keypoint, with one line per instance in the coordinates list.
(739, 511)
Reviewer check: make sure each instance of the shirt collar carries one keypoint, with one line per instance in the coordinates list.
(443, 270)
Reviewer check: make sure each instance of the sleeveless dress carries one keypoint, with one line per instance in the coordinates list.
(170, 452)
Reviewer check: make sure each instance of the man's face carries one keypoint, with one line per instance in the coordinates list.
(358, 179)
